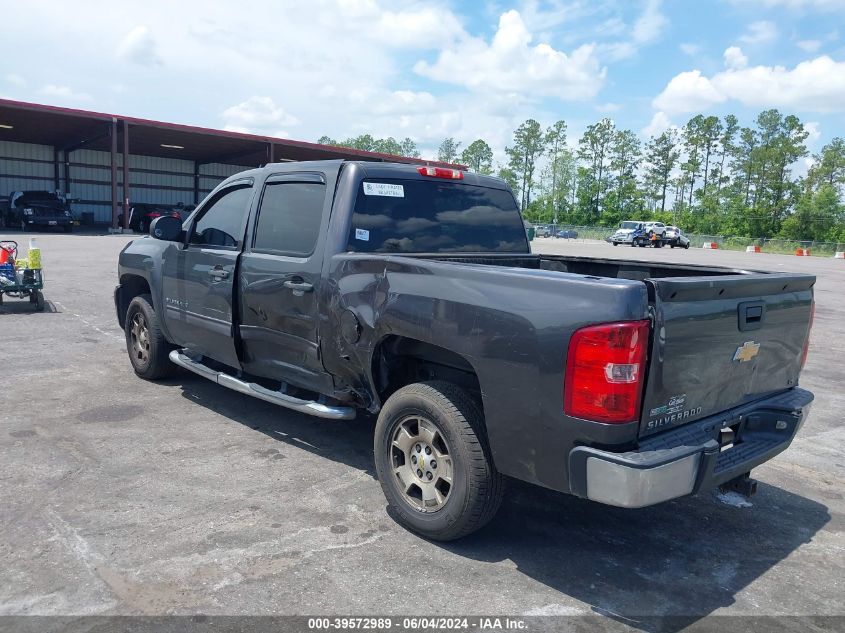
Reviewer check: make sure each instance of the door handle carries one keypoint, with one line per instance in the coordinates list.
(301, 286)
(218, 273)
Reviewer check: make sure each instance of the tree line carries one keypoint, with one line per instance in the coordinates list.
(711, 176)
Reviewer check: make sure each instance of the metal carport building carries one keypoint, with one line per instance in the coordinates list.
(103, 162)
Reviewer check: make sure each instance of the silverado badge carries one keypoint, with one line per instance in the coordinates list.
(746, 351)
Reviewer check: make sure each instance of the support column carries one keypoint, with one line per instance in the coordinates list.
(196, 183)
(114, 201)
(67, 172)
(125, 175)
(57, 185)
(271, 153)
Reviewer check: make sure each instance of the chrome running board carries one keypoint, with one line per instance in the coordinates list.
(255, 390)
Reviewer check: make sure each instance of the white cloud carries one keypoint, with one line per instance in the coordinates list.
(735, 58)
(258, 115)
(659, 123)
(799, 5)
(510, 64)
(813, 131)
(14, 79)
(64, 93)
(405, 102)
(811, 46)
(650, 24)
(760, 32)
(816, 85)
(690, 49)
(688, 92)
(139, 46)
(424, 28)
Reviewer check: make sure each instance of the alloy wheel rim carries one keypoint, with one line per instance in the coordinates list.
(421, 461)
(140, 337)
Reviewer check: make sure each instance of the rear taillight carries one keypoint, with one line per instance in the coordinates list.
(154, 214)
(440, 172)
(806, 349)
(605, 369)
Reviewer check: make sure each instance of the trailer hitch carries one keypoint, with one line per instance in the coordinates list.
(743, 484)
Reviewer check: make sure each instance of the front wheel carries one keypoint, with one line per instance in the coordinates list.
(686, 246)
(434, 463)
(147, 347)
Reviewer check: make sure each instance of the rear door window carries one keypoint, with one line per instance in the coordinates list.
(428, 216)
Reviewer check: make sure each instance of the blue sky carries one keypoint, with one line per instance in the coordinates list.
(432, 69)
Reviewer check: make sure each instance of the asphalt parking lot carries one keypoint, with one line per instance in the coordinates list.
(120, 496)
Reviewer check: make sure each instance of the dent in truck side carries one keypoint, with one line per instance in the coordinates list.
(518, 359)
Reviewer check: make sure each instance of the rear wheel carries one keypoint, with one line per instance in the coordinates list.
(36, 297)
(434, 463)
(146, 345)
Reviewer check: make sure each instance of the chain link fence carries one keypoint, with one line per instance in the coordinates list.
(727, 242)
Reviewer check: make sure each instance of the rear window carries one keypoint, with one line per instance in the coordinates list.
(422, 216)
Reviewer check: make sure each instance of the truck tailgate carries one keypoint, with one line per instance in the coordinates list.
(720, 342)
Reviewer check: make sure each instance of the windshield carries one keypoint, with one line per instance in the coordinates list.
(628, 225)
(37, 197)
(429, 216)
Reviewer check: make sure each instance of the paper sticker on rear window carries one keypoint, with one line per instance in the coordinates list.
(362, 234)
(384, 189)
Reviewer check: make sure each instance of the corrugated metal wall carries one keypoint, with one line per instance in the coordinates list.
(24, 166)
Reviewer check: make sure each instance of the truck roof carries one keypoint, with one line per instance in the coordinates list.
(373, 169)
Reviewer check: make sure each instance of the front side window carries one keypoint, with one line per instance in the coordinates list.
(222, 221)
(289, 218)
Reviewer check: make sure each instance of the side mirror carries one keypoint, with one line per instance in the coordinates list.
(166, 228)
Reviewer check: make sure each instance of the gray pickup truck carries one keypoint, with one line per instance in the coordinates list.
(411, 293)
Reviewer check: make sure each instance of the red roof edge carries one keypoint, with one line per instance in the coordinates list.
(103, 116)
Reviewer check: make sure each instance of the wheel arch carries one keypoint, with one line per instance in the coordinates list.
(398, 360)
(131, 285)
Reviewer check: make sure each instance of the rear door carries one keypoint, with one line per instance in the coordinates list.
(720, 342)
(198, 279)
(280, 281)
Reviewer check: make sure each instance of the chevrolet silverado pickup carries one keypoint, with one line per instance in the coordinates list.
(411, 293)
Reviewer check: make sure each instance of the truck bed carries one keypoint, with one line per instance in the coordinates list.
(721, 337)
(593, 266)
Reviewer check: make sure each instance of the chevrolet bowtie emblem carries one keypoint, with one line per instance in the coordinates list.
(746, 351)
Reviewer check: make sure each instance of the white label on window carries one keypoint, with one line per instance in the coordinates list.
(363, 234)
(384, 189)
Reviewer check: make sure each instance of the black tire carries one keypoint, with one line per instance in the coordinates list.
(686, 246)
(475, 493)
(69, 228)
(148, 353)
(615, 243)
(36, 297)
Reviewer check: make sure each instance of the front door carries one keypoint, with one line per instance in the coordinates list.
(279, 281)
(198, 279)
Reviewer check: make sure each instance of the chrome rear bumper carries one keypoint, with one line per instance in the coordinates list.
(687, 459)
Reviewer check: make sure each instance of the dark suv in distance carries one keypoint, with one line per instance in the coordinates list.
(37, 210)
